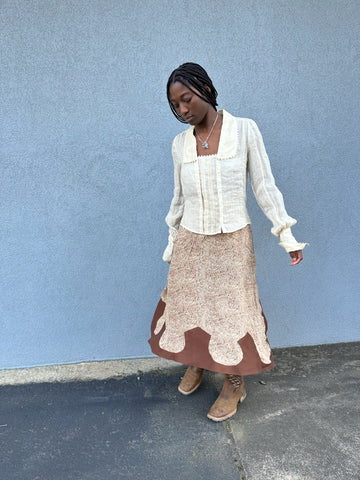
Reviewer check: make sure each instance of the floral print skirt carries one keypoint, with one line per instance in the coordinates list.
(209, 314)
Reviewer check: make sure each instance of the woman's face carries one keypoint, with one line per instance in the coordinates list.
(188, 105)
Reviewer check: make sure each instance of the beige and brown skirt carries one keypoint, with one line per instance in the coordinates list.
(210, 315)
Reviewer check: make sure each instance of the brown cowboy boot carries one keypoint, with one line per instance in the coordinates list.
(232, 393)
(191, 380)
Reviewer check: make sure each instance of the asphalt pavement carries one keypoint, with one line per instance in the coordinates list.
(298, 422)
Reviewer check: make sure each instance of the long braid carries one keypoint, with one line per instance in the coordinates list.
(196, 79)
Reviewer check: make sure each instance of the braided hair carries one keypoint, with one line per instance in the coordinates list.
(196, 79)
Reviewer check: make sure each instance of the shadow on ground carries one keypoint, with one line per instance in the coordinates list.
(138, 427)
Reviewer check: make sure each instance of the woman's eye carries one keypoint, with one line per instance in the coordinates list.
(188, 100)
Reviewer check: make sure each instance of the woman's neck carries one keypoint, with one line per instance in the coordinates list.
(205, 125)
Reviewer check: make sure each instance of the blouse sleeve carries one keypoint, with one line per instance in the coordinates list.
(174, 216)
(267, 195)
(288, 241)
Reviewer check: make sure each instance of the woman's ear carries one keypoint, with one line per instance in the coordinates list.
(208, 88)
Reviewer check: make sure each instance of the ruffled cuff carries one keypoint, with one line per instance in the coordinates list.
(169, 248)
(288, 241)
(285, 225)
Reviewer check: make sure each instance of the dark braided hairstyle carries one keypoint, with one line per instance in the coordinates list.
(196, 79)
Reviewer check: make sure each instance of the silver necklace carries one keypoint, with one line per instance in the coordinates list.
(204, 143)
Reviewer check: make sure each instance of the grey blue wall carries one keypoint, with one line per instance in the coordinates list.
(86, 170)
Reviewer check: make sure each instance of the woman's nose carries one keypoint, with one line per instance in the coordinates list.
(183, 109)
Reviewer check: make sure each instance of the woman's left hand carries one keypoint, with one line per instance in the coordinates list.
(296, 257)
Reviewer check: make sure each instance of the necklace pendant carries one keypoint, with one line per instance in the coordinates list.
(205, 145)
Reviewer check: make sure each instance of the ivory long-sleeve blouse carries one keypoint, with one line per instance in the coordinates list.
(210, 190)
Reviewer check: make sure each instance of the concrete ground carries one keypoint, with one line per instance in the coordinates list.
(299, 422)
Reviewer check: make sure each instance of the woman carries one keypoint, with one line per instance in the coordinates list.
(209, 315)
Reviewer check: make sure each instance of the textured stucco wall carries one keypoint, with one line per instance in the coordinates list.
(86, 171)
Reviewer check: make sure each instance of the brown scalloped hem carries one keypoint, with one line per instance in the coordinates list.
(196, 351)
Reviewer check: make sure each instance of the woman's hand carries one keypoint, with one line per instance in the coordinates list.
(296, 257)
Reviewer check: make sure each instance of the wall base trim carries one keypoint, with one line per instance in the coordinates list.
(103, 370)
(84, 371)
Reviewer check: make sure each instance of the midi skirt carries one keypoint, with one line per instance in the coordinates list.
(209, 314)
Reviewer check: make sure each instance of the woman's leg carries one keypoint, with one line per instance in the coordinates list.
(191, 380)
(232, 393)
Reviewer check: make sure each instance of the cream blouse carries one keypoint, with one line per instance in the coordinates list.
(210, 190)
